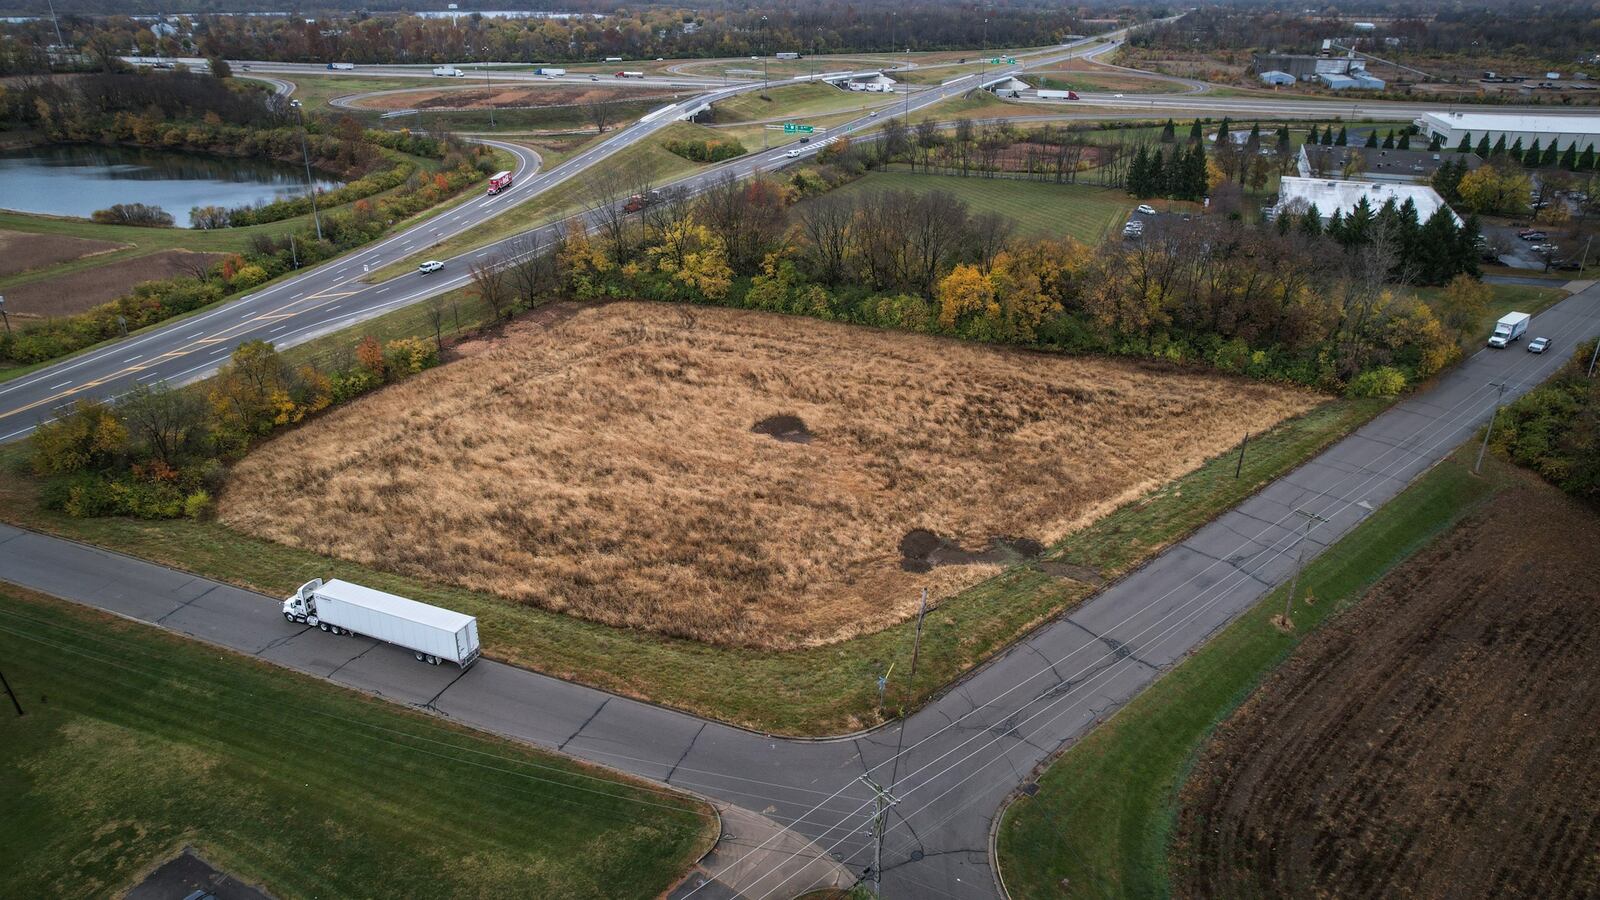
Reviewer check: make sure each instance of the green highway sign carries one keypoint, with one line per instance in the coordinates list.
(995, 61)
(792, 128)
(1011, 60)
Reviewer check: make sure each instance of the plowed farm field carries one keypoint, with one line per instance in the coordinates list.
(1437, 740)
(736, 477)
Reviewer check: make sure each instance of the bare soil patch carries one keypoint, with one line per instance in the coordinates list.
(24, 251)
(508, 97)
(605, 464)
(77, 291)
(1437, 740)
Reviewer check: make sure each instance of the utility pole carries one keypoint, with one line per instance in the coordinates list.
(305, 153)
(489, 99)
(883, 800)
(1299, 561)
(8, 318)
(57, 23)
(1584, 264)
(1477, 466)
(1592, 356)
(1239, 466)
(12, 694)
(911, 683)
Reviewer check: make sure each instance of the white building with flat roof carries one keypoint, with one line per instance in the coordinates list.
(1332, 195)
(1564, 130)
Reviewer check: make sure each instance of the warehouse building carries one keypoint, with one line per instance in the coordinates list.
(1377, 164)
(1337, 195)
(1276, 78)
(1303, 67)
(1565, 131)
(1366, 81)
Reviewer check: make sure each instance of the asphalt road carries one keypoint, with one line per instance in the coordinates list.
(957, 760)
(333, 295)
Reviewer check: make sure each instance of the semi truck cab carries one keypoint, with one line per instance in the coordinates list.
(301, 606)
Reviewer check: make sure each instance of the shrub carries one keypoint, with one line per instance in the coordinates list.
(408, 356)
(704, 151)
(88, 437)
(141, 214)
(197, 505)
(248, 277)
(1383, 381)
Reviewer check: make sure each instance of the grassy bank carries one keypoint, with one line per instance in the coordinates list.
(1040, 209)
(137, 742)
(1100, 822)
(820, 690)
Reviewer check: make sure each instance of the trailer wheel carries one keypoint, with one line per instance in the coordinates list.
(433, 660)
(324, 626)
(419, 656)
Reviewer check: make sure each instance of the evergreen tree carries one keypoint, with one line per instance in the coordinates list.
(1466, 256)
(1534, 156)
(1569, 159)
(1169, 132)
(1196, 134)
(1357, 226)
(1499, 147)
(1222, 132)
(1372, 139)
(1436, 144)
(1405, 141)
(1155, 184)
(1516, 150)
(1335, 226)
(1436, 248)
(1483, 147)
(1447, 179)
(1549, 158)
(1343, 140)
(1196, 168)
(1311, 136)
(1283, 221)
(1327, 136)
(1586, 159)
(1139, 172)
(1408, 230)
(1311, 222)
(1388, 140)
(1284, 141)
(1466, 143)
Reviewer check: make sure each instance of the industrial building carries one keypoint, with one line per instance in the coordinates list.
(1377, 164)
(1565, 131)
(1339, 195)
(1304, 67)
(1276, 78)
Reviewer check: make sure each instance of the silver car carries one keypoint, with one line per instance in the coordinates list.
(1539, 345)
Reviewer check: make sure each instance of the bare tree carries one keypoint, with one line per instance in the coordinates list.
(991, 233)
(529, 267)
(436, 319)
(606, 202)
(825, 223)
(162, 420)
(489, 283)
(599, 113)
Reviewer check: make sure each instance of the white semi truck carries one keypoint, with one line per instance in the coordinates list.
(429, 632)
(1510, 327)
(448, 72)
(549, 70)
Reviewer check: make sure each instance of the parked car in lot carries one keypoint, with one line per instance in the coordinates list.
(1532, 235)
(1133, 230)
(1146, 209)
(1539, 345)
(432, 265)
(1544, 248)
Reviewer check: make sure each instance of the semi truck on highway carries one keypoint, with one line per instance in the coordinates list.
(1057, 95)
(630, 74)
(498, 182)
(1510, 327)
(449, 72)
(546, 70)
(342, 66)
(429, 632)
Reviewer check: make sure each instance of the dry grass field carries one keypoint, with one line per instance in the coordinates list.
(22, 251)
(74, 292)
(505, 96)
(625, 463)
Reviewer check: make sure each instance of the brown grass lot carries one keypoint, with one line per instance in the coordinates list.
(22, 251)
(1437, 740)
(77, 291)
(507, 96)
(600, 461)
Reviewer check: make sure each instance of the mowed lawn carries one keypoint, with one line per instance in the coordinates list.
(137, 743)
(1041, 210)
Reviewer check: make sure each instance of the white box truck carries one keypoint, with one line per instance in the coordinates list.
(547, 70)
(1510, 327)
(342, 67)
(430, 633)
(449, 72)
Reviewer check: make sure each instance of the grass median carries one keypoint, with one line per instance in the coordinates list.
(1040, 209)
(1100, 822)
(137, 743)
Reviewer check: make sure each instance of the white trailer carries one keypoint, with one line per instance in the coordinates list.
(1510, 327)
(449, 72)
(429, 632)
(548, 70)
(342, 67)
(1046, 94)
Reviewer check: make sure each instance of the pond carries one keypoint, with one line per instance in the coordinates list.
(77, 179)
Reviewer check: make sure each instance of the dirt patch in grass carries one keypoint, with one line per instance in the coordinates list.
(77, 291)
(605, 466)
(508, 97)
(1437, 740)
(23, 251)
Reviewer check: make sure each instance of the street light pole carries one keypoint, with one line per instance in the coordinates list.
(1490, 430)
(305, 154)
(8, 318)
(1299, 563)
(489, 99)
